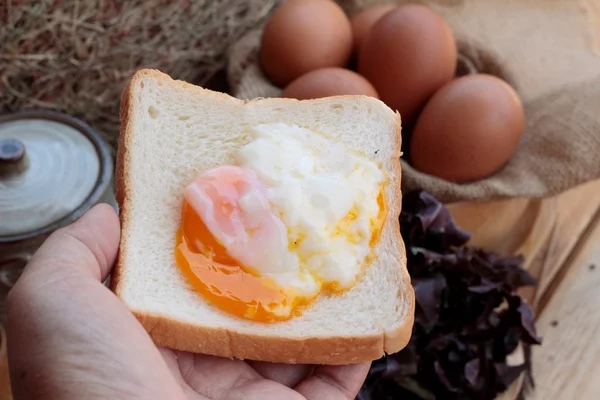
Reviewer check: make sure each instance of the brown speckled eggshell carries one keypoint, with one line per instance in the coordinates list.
(408, 55)
(328, 82)
(364, 20)
(469, 129)
(302, 36)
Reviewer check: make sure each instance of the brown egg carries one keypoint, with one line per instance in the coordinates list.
(468, 130)
(328, 82)
(304, 35)
(363, 21)
(408, 55)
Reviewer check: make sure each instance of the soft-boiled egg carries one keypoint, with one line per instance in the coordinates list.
(296, 213)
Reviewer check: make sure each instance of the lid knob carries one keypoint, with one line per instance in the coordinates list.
(12, 155)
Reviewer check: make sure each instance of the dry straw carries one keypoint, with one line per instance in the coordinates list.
(76, 55)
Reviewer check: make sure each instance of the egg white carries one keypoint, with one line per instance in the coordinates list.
(327, 197)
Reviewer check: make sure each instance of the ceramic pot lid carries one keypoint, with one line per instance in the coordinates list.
(50, 164)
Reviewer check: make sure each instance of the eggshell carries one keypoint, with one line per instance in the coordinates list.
(304, 35)
(408, 55)
(469, 129)
(328, 82)
(363, 21)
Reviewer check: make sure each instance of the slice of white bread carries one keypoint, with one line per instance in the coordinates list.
(171, 131)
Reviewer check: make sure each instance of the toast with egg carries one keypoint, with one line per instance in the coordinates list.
(170, 132)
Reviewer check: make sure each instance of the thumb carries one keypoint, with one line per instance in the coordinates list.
(88, 246)
(69, 337)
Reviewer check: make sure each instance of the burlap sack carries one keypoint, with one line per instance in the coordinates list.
(548, 50)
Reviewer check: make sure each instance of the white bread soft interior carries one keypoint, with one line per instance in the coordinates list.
(171, 131)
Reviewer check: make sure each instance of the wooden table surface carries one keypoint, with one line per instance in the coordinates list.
(560, 238)
(567, 365)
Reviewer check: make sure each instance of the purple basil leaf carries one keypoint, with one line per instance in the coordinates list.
(461, 337)
(443, 378)
(472, 371)
(428, 292)
(508, 374)
(485, 287)
(431, 222)
(527, 322)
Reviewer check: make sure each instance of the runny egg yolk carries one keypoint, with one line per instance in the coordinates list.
(207, 264)
(221, 278)
(218, 277)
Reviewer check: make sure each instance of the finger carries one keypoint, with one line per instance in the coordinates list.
(262, 390)
(212, 376)
(222, 378)
(171, 358)
(286, 374)
(334, 382)
(88, 246)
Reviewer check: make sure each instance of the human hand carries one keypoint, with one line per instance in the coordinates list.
(69, 337)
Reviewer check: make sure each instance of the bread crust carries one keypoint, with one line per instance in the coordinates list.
(172, 333)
